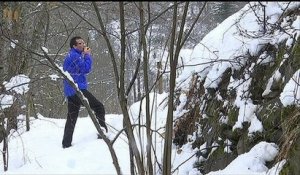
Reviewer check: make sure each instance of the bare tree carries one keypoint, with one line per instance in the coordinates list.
(13, 59)
(175, 45)
(146, 87)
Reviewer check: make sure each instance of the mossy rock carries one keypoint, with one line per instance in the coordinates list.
(270, 116)
(233, 113)
(286, 170)
(218, 159)
(295, 55)
(292, 165)
(260, 77)
(225, 131)
(286, 111)
(213, 107)
(290, 146)
(243, 144)
(294, 158)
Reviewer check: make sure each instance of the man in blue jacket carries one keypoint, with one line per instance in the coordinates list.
(78, 63)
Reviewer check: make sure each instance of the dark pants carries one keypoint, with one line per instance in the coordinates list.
(74, 104)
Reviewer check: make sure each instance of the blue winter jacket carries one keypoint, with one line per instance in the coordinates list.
(78, 65)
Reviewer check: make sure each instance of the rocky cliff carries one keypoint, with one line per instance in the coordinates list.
(243, 88)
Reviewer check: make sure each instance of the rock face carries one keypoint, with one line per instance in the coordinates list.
(213, 115)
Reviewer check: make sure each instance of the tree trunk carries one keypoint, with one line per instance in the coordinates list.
(35, 42)
(146, 86)
(160, 80)
(174, 54)
(169, 123)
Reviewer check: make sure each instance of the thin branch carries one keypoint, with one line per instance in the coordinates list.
(193, 25)
(134, 76)
(110, 48)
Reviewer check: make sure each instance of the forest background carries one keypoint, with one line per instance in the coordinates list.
(51, 24)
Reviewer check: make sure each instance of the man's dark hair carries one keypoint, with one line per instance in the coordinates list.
(73, 41)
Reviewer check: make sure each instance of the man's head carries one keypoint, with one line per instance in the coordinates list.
(77, 43)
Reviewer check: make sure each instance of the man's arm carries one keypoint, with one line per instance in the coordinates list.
(75, 65)
(86, 65)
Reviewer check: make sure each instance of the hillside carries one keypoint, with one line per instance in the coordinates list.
(240, 85)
